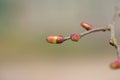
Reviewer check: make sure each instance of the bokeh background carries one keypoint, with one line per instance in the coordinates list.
(25, 54)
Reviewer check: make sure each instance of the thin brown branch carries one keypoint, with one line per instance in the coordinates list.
(112, 26)
(118, 51)
(95, 30)
(91, 31)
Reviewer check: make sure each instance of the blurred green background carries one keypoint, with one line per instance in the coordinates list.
(25, 25)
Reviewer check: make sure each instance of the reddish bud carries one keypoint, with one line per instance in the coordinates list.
(86, 25)
(74, 37)
(111, 42)
(55, 39)
(115, 64)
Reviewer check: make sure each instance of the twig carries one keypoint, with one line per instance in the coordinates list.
(91, 31)
(95, 30)
(112, 26)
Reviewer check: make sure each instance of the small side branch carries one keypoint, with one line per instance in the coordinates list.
(95, 30)
(91, 31)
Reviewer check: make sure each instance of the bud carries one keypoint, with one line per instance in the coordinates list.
(86, 25)
(115, 64)
(74, 37)
(111, 42)
(55, 39)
